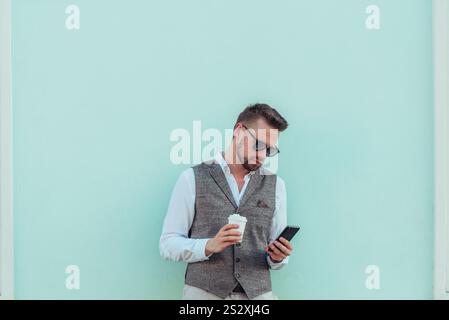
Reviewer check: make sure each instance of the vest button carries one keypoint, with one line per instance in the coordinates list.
(237, 260)
(238, 244)
(237, 275)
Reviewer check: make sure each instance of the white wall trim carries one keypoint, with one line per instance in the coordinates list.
(441, 117)
(6, 230)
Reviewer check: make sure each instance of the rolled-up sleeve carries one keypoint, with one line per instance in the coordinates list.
(279, 220)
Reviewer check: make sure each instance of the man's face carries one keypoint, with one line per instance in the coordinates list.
(247, 155)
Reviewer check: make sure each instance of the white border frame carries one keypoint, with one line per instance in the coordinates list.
(441, 142)
(441, 117)
(6, 216)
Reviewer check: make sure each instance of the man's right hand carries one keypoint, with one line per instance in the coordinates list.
(227, 236)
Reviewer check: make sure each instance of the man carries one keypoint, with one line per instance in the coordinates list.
(196, 228)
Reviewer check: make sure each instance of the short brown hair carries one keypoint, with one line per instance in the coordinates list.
(264, 111)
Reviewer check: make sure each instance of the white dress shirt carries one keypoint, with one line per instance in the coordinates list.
(174, 243)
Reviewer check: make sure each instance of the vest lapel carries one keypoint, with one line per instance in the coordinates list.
(217, 174)
(252, 184)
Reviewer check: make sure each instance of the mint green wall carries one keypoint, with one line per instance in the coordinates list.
(93, 110)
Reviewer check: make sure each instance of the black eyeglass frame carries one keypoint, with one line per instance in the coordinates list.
(257, 142)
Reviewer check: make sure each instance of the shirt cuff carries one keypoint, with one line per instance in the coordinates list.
(200, 249)
(276, 265)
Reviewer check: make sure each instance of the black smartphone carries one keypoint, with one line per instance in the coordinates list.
(288, 233)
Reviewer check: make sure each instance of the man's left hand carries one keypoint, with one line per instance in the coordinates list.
(279, 250)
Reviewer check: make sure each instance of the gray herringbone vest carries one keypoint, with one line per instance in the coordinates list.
(244, 263)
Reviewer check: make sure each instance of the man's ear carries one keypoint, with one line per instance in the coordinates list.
(237, 127)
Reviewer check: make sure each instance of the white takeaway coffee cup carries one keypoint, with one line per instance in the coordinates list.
(240, 220)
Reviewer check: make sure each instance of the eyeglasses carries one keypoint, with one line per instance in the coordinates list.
(260, 145)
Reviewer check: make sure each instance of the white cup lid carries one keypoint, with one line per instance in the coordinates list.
(237, 217)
